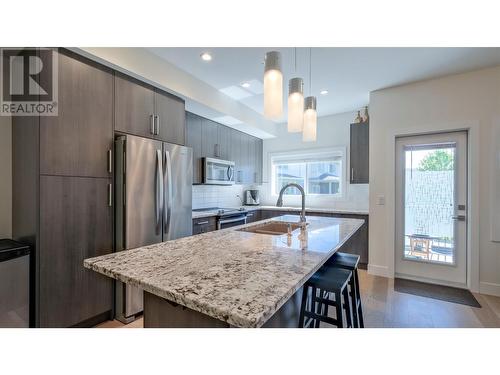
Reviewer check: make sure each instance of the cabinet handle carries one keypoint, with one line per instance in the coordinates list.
(352, 174)
(110, 195)
(201, 222)
(250, 215)
(157, 125)
(217, 153)
(152, 123)
(110, 161)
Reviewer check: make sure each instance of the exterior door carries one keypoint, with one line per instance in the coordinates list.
(431, 208)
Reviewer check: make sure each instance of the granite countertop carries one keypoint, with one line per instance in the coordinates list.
(202, 214)
(239, 277)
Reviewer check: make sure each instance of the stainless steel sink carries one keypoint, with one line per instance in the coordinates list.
(275, 228)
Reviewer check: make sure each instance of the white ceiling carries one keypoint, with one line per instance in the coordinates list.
(349, 74)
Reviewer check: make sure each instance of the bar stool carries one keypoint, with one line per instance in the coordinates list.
(327, 281)
(350, 262)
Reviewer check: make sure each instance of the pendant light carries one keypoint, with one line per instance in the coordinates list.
(273, 85)
(295, 102)
(310, 114)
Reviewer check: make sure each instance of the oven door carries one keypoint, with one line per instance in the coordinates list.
(218, 172)
(232, 221)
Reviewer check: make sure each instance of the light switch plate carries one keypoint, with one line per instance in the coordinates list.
(381, 200)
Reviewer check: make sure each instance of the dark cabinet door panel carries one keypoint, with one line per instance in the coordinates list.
(224, 142)
(209, 135)
(75, 223)
(236, 154)
(77, 141)
(171, 118)
(134, 106)
(193, 140)
(359, 153)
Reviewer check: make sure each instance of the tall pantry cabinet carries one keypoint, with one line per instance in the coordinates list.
(62, 195)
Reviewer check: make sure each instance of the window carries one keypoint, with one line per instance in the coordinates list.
(318, 173)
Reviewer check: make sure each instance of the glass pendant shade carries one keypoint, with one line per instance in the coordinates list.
(295, 105)
(310, 120)
(273, 86)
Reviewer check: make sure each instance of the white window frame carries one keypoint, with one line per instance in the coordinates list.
(309, 156)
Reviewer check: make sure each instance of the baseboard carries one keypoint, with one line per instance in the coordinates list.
(491, 289)
(373, 269)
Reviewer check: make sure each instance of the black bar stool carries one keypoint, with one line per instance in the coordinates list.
(350, 262)
(326, 282)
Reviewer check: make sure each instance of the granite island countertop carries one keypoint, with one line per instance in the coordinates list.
(239, 277)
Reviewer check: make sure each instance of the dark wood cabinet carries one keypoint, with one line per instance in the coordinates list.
(236, 154)
(76, 223)
(224, 142)
(204, 225)
(213, 140)
(209, 135)
(171, 118)
(359, 153)
(77, 142)
(134, 106)
(253, 216)
(193, 140)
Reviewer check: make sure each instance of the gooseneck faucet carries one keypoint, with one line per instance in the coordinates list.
(279, 203)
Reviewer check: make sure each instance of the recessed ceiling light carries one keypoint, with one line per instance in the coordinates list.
(324, 92)
(245, 84)
(205, 56)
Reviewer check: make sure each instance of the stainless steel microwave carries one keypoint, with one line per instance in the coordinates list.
(218, 172)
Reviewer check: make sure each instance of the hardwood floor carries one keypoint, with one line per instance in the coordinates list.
(385, 308)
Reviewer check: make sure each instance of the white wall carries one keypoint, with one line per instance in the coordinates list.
(206, 196)
(333, 131)
(464, 101)
(5, 177)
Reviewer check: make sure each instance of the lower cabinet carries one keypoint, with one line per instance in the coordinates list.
(253, 216)
(75, 223)
(204, 225)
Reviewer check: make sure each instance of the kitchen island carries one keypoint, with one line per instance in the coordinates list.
(231, 277)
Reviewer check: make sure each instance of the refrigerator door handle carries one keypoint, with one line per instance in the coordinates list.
(167, 212)
(159, 188)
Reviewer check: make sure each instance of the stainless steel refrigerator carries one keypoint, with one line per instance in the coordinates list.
(153, 203)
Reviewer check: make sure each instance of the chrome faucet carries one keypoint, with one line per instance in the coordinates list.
(279, 203)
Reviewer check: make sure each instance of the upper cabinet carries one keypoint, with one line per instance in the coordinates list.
(170, 118)
(134, 107)
(209, 134)
(213, 140)
(359, 153)
(147, 112)
(193, 140)
(77, 142)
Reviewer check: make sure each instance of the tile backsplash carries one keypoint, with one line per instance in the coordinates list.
(205, 196)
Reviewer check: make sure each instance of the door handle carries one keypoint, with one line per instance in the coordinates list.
(110, 161)
(110, 195)
(159, 188)
(458, 217)
(157, 122)
(152, 124)
(167, 212)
